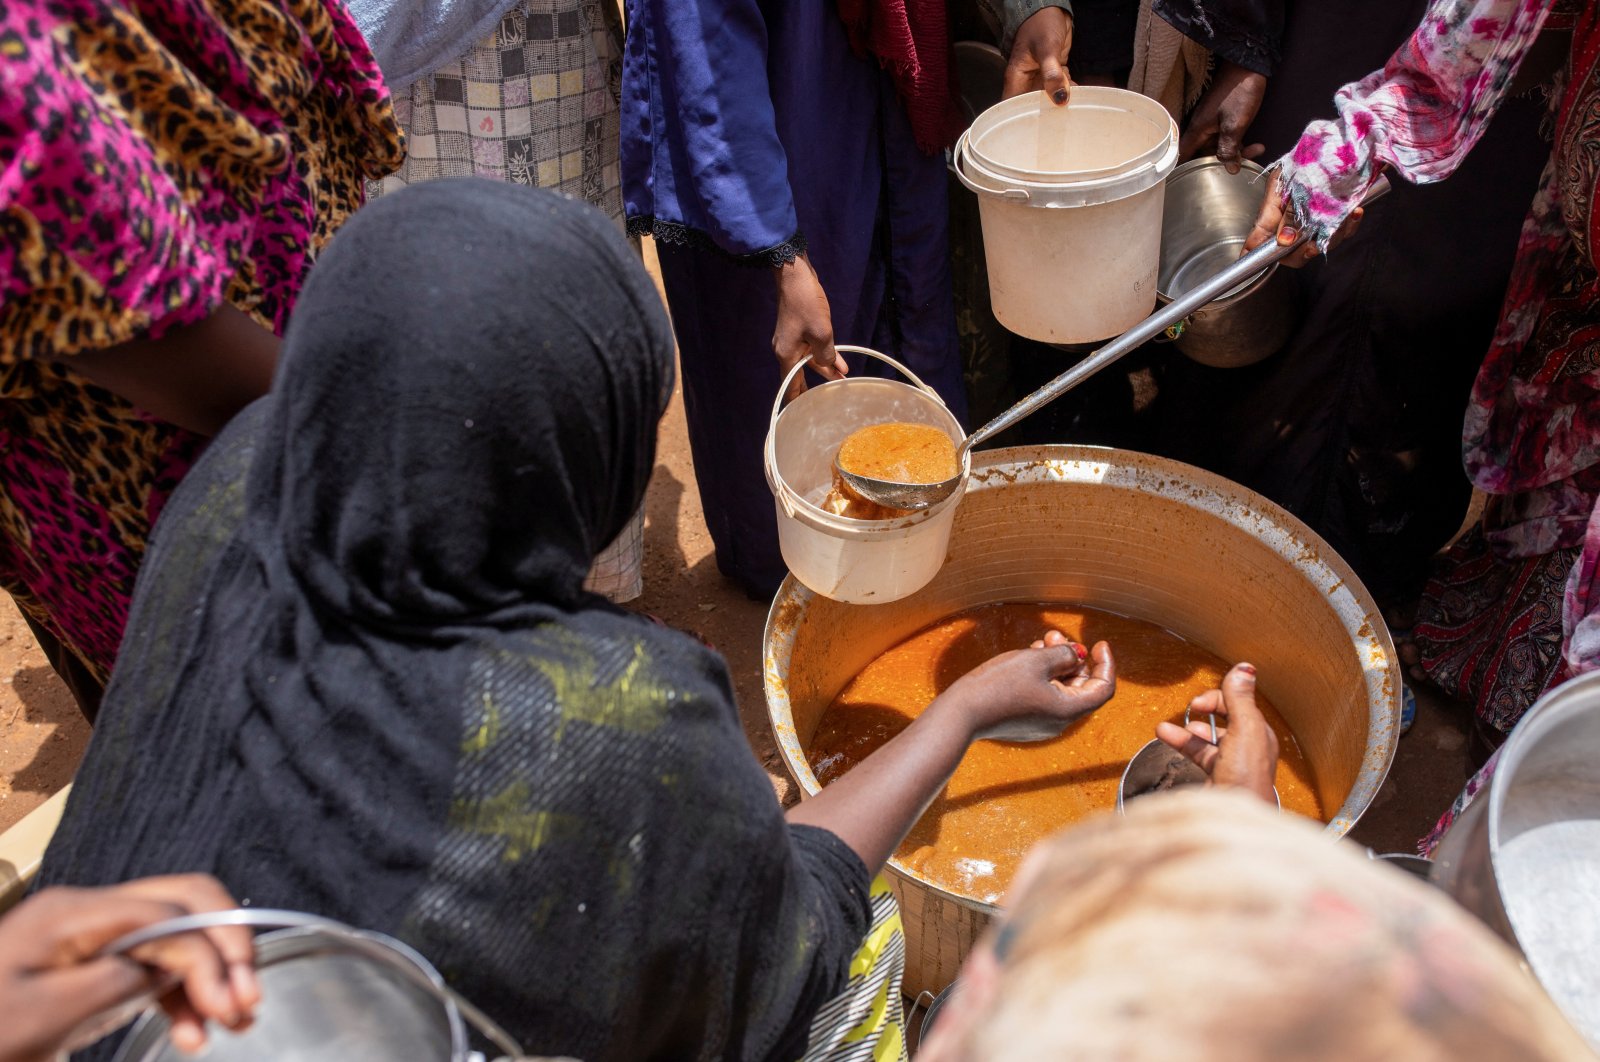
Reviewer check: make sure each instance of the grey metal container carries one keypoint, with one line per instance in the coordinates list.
(1525, 855)
(320, 1000)
(329, 993)
(1206, 217)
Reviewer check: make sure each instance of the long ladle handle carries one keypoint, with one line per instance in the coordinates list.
(1236, 274)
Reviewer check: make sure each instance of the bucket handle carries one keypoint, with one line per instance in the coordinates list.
(783, 389)
(956, 166)
(845, 348)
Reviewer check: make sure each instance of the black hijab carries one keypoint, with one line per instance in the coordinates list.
(362, 678)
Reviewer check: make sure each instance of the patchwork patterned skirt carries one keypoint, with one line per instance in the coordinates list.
(536, 103)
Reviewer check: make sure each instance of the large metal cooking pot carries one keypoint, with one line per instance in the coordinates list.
(1525, 855)
(1204, 222)
(1132, 534)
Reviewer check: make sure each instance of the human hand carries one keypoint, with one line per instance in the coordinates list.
(1270, 224)
(1039, 56)
(805, 325)
(1223, 116)
(1034, 694)
(52, 977)
(1246, 753)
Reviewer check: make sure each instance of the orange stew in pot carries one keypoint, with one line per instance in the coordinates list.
(1004, 797)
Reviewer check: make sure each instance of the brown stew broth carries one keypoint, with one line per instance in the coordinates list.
(898, 452)
(1004, 797)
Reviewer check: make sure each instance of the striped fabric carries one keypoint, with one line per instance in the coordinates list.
(866, 1022)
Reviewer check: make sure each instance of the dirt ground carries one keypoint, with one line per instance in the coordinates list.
(42, 735)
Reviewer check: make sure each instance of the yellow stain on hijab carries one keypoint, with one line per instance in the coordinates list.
(635, 700)
(487, 732)
(508, 817)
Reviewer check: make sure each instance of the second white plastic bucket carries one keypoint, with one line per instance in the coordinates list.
(861, 562)
(1071, 231)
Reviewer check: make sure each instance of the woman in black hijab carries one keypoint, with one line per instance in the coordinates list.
(362, 678)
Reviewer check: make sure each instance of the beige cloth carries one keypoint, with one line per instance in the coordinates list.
(1167, 66)
(1205, 926)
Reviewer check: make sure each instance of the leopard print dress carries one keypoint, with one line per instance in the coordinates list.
(157, 158)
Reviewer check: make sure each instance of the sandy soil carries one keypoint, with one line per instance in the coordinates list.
(42, 735)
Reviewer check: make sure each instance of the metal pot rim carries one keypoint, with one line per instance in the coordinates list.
(149, 1033)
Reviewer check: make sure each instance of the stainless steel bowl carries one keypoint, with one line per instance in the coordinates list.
(329, 993)
(1207, 214)
(1525, 855)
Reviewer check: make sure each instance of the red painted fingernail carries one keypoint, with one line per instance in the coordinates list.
(1081, 650)
(1288, 235)
(1248, 669)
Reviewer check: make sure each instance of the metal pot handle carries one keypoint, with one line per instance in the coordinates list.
(366, 942)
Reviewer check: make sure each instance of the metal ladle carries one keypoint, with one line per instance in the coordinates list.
(895, 495)
(1157, 760)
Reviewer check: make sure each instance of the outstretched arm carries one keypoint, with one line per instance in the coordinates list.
(1419, 116)
(1027, 695)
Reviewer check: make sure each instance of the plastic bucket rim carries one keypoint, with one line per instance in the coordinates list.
(1064, 196)
(1086, 97)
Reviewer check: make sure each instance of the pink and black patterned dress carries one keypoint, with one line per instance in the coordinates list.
(1516, 608)
(157, 157)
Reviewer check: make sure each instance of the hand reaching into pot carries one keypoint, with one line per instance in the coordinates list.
(1246, 753)
(1025, 695)
(1034, 694)
(52, 977)
(1039, 55)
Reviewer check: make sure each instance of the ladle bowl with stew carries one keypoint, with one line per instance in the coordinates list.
(1143, 537)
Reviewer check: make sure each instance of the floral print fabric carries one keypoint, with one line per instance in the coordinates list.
(1420, 114)
(1493, 624)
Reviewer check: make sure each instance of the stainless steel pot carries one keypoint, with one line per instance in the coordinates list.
(1137, 535)
(1207, 215)
(1525, 855)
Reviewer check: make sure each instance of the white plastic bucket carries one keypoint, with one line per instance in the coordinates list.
(1072, 252)
(861, 562)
